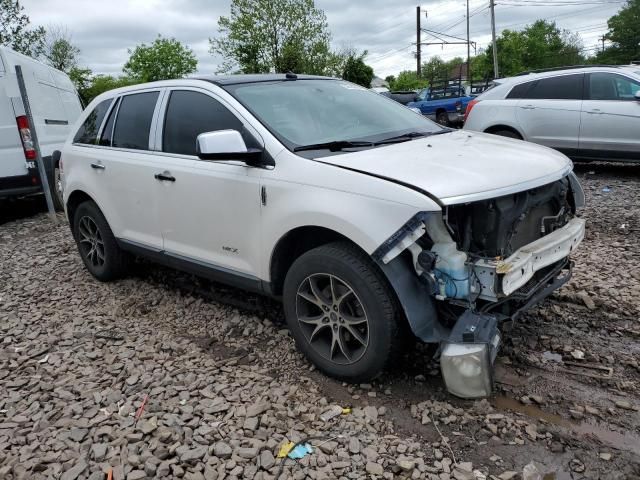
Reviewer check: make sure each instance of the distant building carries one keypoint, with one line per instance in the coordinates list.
(378, 82)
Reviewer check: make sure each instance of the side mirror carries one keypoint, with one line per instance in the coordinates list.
(227, 145)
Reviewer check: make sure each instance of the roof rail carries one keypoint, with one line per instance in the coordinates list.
(554, 69)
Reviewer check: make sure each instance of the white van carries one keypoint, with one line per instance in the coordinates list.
(55, 107)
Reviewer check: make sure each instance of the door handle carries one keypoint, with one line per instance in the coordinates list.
(165, 176)
(98, 166)
(528, 107)
(595, 111)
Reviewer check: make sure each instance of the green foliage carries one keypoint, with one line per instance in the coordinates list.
(409, 80)
(100, 84)
(540, 45)
(164, 59)
(391, 80)
(59, 52)
(15, 32)
(356, 71)
(624, 33)
(262, 36)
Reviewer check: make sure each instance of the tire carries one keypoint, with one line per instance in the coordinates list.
(107, 263)
(324, 329)
(442, 118)
(507, 133)
(56, 192)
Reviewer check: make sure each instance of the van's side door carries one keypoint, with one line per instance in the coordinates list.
(209, 210)
(610, 126)
(121, 169)
(549, 110)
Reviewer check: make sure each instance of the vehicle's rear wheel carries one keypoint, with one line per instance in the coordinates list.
(442, 118)
(97, 245)
(341, 312)
(507, 133)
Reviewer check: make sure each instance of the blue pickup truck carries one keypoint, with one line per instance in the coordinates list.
(444, 105)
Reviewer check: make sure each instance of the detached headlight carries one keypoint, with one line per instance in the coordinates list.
(467, 357)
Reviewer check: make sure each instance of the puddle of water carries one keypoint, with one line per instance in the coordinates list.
(620, 441)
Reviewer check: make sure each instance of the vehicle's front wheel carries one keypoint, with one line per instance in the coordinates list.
(96, 243)
(341, 312)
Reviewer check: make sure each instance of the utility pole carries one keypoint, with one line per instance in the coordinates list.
(418, 60)
(603, 38)
(493, 38)
(468, 47)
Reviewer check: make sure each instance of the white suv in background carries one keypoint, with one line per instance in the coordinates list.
(587, 113)
(367, 226)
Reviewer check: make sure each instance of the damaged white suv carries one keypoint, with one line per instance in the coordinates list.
(366, 219)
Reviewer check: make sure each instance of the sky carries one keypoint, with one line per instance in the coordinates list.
(104, 30)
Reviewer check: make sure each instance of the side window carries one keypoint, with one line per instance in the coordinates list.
(134, 121)
(88, 132)
(565, 87)
(609, 86)
(107, 131)
(190, 114)
(520, 91)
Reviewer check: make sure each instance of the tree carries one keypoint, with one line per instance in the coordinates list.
(261, 36)
(624, 33)
(435, 69)
(409, 80)
(59, 52)
(15, 32)
(103, 83)
(540, 45)
(356, 71)
(391, 81)
(164, 59)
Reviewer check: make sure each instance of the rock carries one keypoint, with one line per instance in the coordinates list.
(148, 426)
(556, 447)
(136, 475)
(406, 465)
(532, 431)
(78, 434)
(194, 454)
(75, 471)
(266, 459)
(99, 451)
(251, 423)
(222, 450)
(354, 445)
(247, 452)
(508, 475)
(374, 469)
(531, 472)
(605, 456)
(624, 404)
(257, 409)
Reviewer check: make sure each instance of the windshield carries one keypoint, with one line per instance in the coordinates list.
(308, 112)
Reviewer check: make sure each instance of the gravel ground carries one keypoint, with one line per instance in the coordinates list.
(163, 375)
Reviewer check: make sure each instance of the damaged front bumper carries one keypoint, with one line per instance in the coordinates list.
(501, 278)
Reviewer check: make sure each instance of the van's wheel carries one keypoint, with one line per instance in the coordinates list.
(96, 243)
(507, 133)
(341, 312)
(442, 118)
(56, 190)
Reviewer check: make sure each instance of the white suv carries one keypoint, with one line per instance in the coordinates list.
(367, 220)
(588, 113)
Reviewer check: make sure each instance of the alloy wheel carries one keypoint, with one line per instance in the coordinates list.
(90, 241)
(332, 318)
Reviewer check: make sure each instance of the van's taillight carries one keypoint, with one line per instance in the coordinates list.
(25, 136)
(470, 106)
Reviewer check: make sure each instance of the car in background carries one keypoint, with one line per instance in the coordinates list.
(444, 105)
(588, 113)
(367, 227)
(55, 107)
(401, 96)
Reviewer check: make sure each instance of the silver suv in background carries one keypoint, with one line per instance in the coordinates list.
(588, 113)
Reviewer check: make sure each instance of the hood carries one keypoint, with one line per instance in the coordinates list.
(461, 166)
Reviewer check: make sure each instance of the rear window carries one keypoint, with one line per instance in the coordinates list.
(565, 87)
(88, 132)
(134, 121)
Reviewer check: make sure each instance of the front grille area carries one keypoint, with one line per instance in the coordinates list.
(499, 226)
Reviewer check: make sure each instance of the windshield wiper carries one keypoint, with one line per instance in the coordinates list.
(405, 137)
(334, 146)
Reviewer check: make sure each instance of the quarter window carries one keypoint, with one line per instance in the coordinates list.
(134, 121)
(188, 115)
(565, 87)
(609, 86)
(107, 131)
(88, 132)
